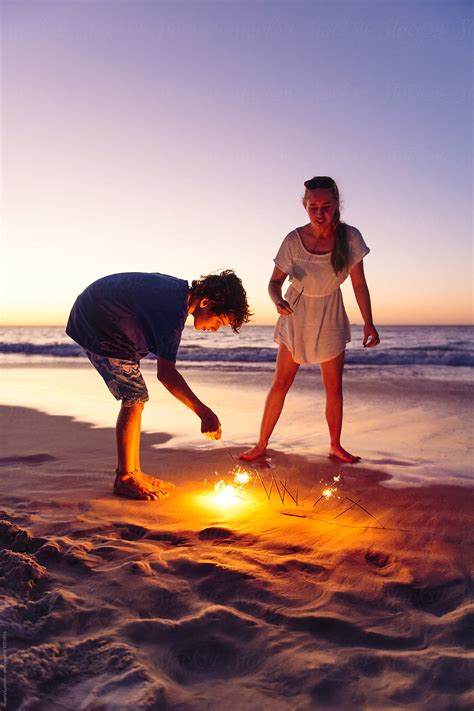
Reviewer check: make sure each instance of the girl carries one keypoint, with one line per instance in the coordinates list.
(313, 326)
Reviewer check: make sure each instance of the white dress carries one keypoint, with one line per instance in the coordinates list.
(319, 329)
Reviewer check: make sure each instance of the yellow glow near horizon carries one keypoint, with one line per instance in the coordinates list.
(436, 310)
(61, 256)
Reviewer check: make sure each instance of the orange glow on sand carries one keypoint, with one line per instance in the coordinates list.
(225, 494)
(330, 490)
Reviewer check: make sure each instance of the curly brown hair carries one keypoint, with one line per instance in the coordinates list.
(227, 294)
(340, 252)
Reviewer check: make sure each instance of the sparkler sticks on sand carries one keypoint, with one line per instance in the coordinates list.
(227, 449)
(282, 488)
(356, 503)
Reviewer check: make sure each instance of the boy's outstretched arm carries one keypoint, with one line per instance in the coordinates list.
(177, 386)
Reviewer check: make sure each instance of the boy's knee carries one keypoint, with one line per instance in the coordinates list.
(137, 405)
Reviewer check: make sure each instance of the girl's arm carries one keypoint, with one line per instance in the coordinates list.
(361, 291)
(274, 289)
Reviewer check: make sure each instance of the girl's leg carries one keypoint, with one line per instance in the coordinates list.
(331, 373)
(285, 372)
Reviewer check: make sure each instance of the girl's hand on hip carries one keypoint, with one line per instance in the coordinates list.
(371, 337)
(283, 307)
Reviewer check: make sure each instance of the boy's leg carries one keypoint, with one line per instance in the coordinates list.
(128, 436)
(125, 382)
(130, 481)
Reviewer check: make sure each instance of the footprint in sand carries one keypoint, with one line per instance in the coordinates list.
(131, 531)
(377, 559)
(171, 539)
(34, 459)
(216, 533)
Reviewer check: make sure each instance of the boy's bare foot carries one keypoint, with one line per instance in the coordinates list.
(343, 455)
(137, 485)
(254, 453)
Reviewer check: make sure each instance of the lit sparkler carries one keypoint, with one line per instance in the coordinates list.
(330, 490)
(227, 494)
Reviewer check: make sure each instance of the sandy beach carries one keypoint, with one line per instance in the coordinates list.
(362, 601)
(189, 180)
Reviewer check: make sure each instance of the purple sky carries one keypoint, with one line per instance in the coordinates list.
(176, 136)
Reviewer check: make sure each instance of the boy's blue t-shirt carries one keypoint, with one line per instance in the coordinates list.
(131, 314)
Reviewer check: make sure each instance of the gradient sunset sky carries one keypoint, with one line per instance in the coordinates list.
(176, 136)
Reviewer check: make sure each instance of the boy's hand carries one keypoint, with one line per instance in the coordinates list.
(210, 425)
(177, 386)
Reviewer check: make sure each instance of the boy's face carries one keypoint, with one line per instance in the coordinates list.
(205, 319)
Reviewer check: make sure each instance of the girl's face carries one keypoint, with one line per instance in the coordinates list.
(320, 206)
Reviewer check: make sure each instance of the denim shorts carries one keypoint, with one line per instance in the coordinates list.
(122, 377)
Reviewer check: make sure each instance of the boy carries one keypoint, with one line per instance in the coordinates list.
(119, 319)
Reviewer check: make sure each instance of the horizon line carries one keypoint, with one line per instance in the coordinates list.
(379, 325)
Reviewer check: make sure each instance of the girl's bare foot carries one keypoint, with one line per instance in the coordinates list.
(254, 453)
(137, 485)
(343, 455)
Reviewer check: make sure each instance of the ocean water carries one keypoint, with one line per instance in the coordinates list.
(445, 352)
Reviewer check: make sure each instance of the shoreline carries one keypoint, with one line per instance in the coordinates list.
(55, 441)
(415, 429)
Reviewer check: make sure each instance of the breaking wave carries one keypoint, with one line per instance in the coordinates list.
(451, 355)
